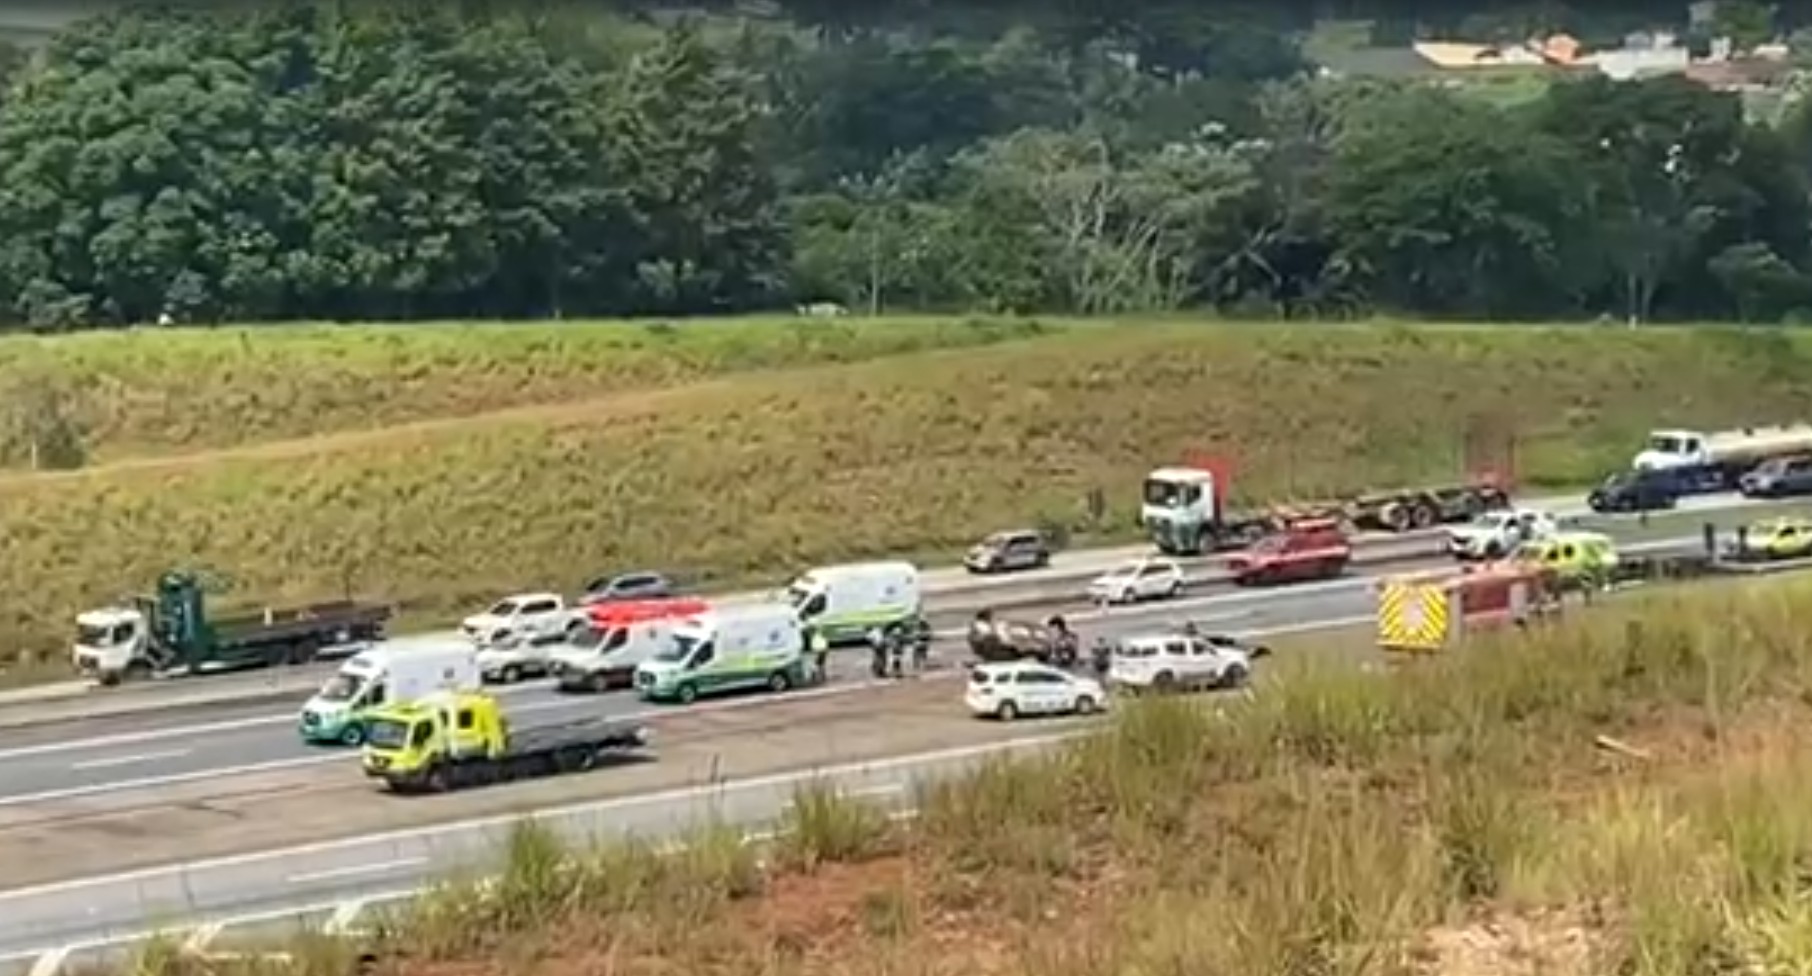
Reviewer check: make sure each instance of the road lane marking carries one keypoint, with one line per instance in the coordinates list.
(356, 871)
(50, 963)
(671, 797)
(297, 762)
(1368, 574)
(143, 757)
(203, 936)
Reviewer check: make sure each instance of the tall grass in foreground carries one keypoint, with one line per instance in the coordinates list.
(1338, 822)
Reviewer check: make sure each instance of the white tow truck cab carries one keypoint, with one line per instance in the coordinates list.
(109, 641)
(383, 676)
(1717, 460)
(1178, 662)
(844, 603)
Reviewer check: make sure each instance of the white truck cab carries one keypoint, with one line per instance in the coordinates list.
(1177, 661)
(383, 676)
(1181, 508)
(526, 618)
(110, 642)
(846, 602)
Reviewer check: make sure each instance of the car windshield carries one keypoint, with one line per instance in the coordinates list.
(998, 540)
(503, 608)
(1124, 571)
(1489, 520)
(1667, 444)
(1169, 494)
(680, 648)
(387, 733)
(91, 636)
(341, 687)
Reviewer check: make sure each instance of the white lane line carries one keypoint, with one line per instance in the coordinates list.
(391, 839)
(199, 940)
(340, 922)
(51, 962)
(1257, 595)
(174, 779)
(346, 757)
(356, 871)
(143, 757)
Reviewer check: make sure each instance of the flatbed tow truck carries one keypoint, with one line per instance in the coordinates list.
(453, 740)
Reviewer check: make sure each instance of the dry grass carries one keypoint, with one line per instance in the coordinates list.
(756, 477)
(1451, 819)
(155, 392)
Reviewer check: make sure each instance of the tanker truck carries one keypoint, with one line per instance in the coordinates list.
(1708, 461)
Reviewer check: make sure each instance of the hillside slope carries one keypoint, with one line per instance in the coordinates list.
(759, 475)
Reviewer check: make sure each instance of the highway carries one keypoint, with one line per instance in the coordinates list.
(947, 589)
(62, 761)
(121, 823)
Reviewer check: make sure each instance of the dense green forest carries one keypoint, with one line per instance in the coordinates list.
(235, 162)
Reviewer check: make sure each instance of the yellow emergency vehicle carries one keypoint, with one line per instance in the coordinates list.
(1426, 612)
(1576, 559)
(1787, 537)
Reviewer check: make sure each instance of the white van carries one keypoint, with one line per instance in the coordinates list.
(610, 655)
(383, 676)
(729, 649)
(845, 602)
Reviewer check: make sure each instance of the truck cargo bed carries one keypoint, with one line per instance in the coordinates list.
(323, 620)
(600, 733)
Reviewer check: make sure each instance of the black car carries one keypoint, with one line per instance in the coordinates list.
(628, 586)
(1779, 478)
(1005, 551)
(1637, 491)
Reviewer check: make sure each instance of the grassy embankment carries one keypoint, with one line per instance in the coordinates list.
(755, 475)
(1629, 792)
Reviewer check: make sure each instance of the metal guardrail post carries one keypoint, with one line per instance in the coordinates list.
(1711, 539)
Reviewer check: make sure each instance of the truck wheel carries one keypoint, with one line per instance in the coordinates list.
(686, 693)
(779, 682)
(1425, 516)
(1235, 677)
(353, 735)
(437, 780)
(1165, 681)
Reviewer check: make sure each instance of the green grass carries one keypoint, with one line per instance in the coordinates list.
(1449, 817)
(759, 475)
(163, 391)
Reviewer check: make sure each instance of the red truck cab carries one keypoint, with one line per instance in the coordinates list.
(1308, 549)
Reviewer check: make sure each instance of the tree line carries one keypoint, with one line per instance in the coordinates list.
(315, 160)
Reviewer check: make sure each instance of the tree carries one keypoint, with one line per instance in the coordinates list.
(1449, 205)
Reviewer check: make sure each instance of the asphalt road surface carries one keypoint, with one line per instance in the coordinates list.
(329, 874)
(947, 588)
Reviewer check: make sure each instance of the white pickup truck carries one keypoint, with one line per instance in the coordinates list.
(1181, 662)
(514, 637)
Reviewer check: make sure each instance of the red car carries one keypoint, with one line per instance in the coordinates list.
(1307, 550)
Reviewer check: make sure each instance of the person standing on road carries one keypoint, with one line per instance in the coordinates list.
(820, 648)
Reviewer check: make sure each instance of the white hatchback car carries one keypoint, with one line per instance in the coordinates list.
(1141, 579)
(1006, 690)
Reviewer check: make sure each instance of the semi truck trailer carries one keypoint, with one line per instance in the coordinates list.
(172, 632)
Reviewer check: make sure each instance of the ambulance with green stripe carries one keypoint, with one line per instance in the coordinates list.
(733, 648)
(845, 603)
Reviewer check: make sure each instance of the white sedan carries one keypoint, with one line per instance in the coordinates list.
(1142, 579)
(1006, 690)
